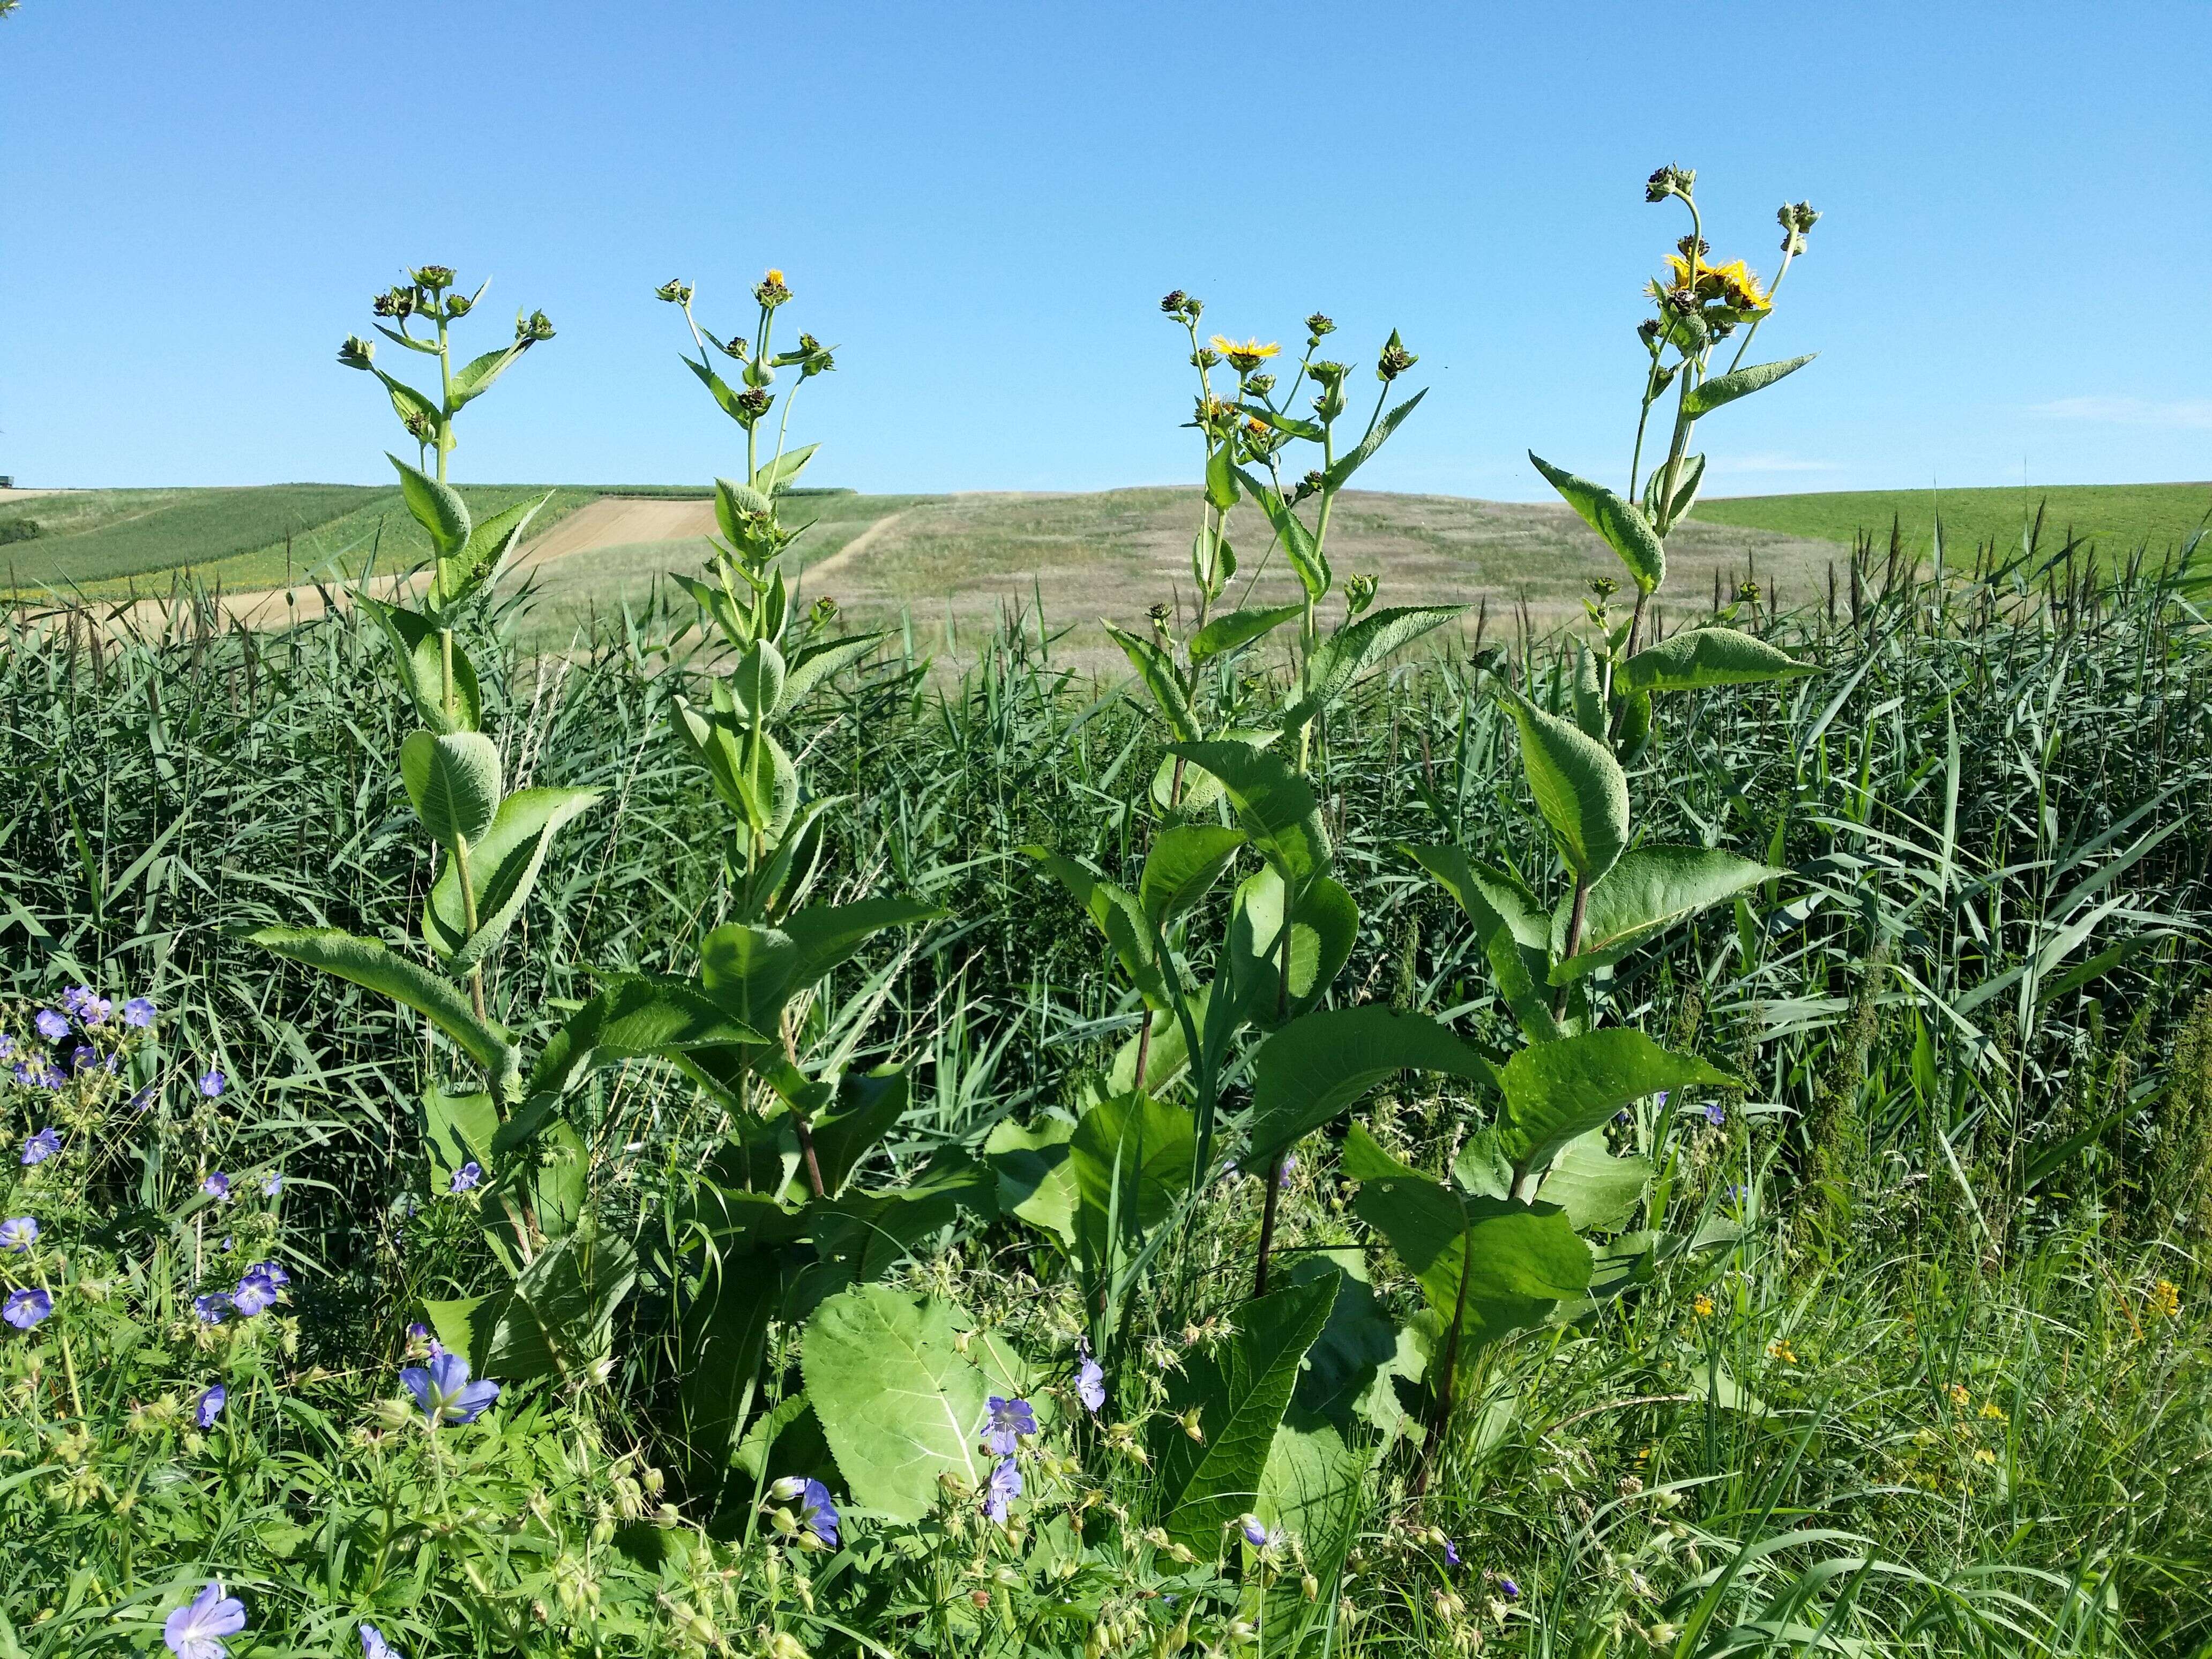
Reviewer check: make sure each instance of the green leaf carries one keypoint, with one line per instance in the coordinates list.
(409, 405)
(733, 503)
(502, 866)
(419, 654)
(721, 1342)
(1035, 1180)
(1589, 694)
(813, 663)
(719, 387)
(1299, 543)
(648, 1015)
(560, 1317)
(757, 683)
(868, 1107)
(1709, 395)
(457, 1129)
(776, 477)
(1508, 925)
(1348, 1378)
(474, 378)
(453, 780)
(1504, 1261)
(479, 562)
(1688, 477)
(438, 508)
(1353, 649)
(1275, 805)
(1555, 1092)
(1154, 667)
(1314, 1067)
(1598, 1192)
(1324, 926)
(866, 1236)
(1707, 656)
(1579, 788)
(1221, 479)
(752, 970)
(899, 1404)
(366, 961)
(1241, 1391)
(1201, 789)
(1120, 916)
(1621, 523)
(1234, 628)
(1351, 462)
(1311, 431)
(1131, 1156)
(1185, 862)
(1647, 892)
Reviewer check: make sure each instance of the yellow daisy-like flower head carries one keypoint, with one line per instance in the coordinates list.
(1249, 356)
(1734, 284)
(2166, 1299)
(1702, 1306)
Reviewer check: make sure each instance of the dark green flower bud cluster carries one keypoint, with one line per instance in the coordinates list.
(529, 330)
(1317, 326)
(1795, 218)
(1670, 180)
(1183, 307)
(1359, 592)
(771, 290)
(676, 291)
(357, 353)
(1395, 361)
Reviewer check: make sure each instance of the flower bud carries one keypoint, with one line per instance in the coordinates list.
(1670, 180)
(752, 404)
(1395, 361)
(675, 290)
(771, 290)
(784, 1646)
(824, 611)
(459, 305)
(433, 277)
(1359, 592)
(1317, 324)
(789, 1489)
(533, 329)
(1171, 303)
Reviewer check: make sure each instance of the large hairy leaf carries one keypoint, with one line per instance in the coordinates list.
(649, 1015)
(1357, 647)
(1324, 926)
(1311, 1069)
(438, 508)
(502, 868)
(753, 970)
(1345, 464)
(757, 683)
(1131, 1156)
(1579, 788)
(899, 1403)
(367, 962)
(1500, 1263)
(1710, 395)
(1305, 553)
(1647, 892)
(418, 652)
(1555, 1092)
(1241, 1391)
(1186, 861)
(1621, 522)
(773, 477)
(453, 779)
(1599, 1191)
(559, 1318)
(721, 1341)
(1350, 1372)
(1707, 656)
(1509, 925)
(866, 1108)
(1275, 805)
(1035, 1180)
(811, 664)
(1234, 628)
(1158, 673)
(481, 557)
(1120, 916)
(863, 1235)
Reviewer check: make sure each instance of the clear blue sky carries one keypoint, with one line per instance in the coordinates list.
(981, 204)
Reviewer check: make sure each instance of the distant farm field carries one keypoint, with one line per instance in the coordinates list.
(2118, 518)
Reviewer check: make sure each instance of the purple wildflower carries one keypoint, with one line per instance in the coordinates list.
(254, 1295)
(1254, 1534)
(38, 1148)
(1714, 1113)
(1090, 1382)
(374, 1646)
(51, 1026)
(213, 1308)
(466, 1177)
(217, 1186)
(213, 1082)
(273, 1186)
(1283, 1176)
(211, 1405)
(1012, 1421)
(1005, 1486)
(83, 1057)
(195, 1631)
(25, 1308)
(144, 1097)
(277, 1278)
(18, 1233)
(818, 1513)
(444, 1392)
(1509, 1590)
(6, 1045)
(1451, 1553)
(138, 1012)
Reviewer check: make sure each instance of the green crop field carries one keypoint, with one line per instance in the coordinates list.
(2116, 518)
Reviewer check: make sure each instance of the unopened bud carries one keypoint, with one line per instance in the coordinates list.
(356, 353)
(1670, 180)
(675, 290)
(1395, 361)
(533, 328)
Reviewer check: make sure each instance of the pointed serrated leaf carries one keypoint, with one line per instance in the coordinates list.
(1621, 523)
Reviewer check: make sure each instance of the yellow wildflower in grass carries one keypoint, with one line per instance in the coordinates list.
(1959, 1394)
(1983, 1455)
(1994, 1411)
(1780, 1349)
(1702, 1306)
(2166, 1299)
(1247, 356)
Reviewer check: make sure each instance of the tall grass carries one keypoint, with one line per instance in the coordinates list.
(1936, 1225)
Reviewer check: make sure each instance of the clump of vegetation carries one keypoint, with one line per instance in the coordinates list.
(1611, 1148)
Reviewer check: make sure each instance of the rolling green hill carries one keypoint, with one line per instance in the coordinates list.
(2118, 518)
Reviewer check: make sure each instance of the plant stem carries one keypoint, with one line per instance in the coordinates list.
(1433, 1444)
(1267, 1222)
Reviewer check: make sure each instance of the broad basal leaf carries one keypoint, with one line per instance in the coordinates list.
(899, 1403)
(1316, 1066)
(453, 779)
(1555, 1092)
(1647, 892)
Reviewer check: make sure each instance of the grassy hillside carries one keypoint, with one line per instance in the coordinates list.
(108, 542)
(2118, 518)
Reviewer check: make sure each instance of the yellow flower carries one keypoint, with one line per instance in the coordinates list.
(1780, 1349)
(1703, 1305)
(1994, 1411)
(1959, 1394)
(1983, 1455)
(774, 276)
(1733, 284)
(2166, 1299)
(1247, 356)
